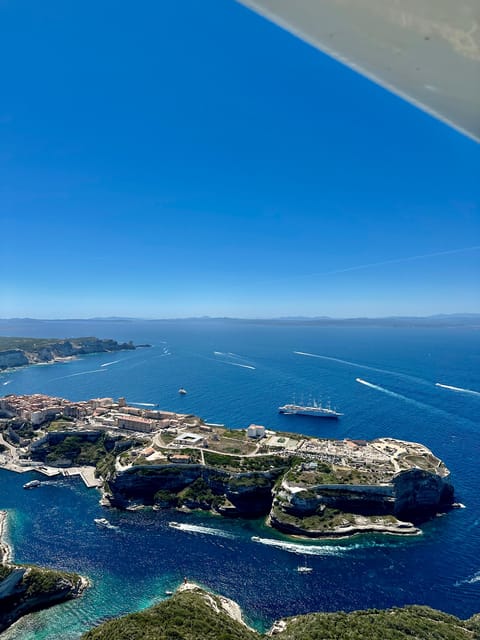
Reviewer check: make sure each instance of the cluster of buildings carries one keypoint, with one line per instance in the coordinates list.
(98, 412)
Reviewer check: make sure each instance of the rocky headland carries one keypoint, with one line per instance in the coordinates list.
(26, 588)
(19, 352)
(193, 613)
(303, 486)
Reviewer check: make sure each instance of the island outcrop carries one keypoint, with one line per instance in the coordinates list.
(193, 613)
(302, 485)
(25, 588)
(18, 352)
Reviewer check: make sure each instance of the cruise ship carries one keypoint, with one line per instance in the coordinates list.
(314, 410)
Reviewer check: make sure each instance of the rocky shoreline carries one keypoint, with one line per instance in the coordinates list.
(21, 352)
(24, 589)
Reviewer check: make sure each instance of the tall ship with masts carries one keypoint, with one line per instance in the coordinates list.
(312, 409)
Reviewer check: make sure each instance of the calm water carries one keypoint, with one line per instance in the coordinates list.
(238, 374)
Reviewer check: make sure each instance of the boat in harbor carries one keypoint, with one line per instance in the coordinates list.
(313, 410)
(33, 484)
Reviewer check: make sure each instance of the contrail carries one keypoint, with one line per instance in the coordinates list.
(399, 260)
(381, 263)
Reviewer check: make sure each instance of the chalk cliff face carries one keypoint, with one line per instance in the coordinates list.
(343, 509)
(54, 349)
(12, 358)
(246, 494)
(417, 491)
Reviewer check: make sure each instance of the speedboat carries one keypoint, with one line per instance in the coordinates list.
(32, 484)
(304, 569)
(182, 391)
(175, 525)
(102, 522)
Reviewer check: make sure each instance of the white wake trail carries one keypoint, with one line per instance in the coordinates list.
(143, 404)
(194, 528)
(107, 364)
(362, 366)
(457, 389)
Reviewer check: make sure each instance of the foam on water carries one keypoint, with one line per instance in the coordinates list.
(457, 389)
(108, 364)
(195, 528)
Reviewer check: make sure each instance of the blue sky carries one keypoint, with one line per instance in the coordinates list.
(171, 158)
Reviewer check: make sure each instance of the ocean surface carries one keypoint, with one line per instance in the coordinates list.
(237, 374)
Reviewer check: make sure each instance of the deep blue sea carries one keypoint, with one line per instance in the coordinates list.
(237, 374)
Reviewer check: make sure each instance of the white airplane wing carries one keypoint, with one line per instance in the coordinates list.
(426, 51)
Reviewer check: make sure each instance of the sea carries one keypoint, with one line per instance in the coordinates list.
(384, 381)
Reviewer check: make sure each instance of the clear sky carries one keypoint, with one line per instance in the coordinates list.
(179, 158)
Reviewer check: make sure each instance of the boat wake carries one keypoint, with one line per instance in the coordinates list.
(6, 382)
(81, 373)
(472, 580)
(108, 364)
(194, 528)
(363, 366)
(457, 389)
(143, 404)
(237, 364)
(235, 356)
(303, 549)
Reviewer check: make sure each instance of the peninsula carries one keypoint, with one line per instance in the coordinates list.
(302, 485)
(18, 352)
(193, 613)
(26, 588)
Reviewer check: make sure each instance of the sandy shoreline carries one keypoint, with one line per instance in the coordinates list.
(5, 549)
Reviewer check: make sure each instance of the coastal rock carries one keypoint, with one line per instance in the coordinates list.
(12, 358)
(247, 494)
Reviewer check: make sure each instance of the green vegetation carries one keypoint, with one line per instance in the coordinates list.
(38, 588)
(78, 450)
(219, 460)
(200, 493)
(421, 623)
(186, 616)
(189, 616)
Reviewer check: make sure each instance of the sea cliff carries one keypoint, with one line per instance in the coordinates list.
(25, 588)
(18, 352)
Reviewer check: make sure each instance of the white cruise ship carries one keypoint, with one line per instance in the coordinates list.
(314, 410)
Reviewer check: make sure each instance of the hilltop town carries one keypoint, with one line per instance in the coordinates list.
(151, 457)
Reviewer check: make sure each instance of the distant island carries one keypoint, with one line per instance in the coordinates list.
(302, 485)
(193, 613)
(26, 588)
(18, 352)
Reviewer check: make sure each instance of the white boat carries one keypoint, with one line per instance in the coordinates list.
(32, 484)
(255, 539)
(102, 522)
(304, 569)
(175, 525)
(314, 410)
(182, 391)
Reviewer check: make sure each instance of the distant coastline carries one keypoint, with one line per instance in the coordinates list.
(471, 320)
(20, 352)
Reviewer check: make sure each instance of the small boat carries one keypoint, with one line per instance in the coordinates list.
(175, 525)
(182, 391)
(32, 484)
(169, 593)
(255, 539)
(304, 569)
(102, 522)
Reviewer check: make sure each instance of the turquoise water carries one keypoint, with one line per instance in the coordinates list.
(238, 374)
